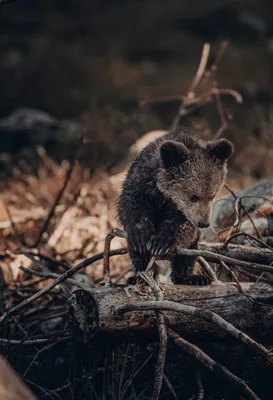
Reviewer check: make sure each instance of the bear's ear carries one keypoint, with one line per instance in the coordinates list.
(222, 149)
(173, 153)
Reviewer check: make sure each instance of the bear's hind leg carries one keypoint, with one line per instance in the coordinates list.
(140, 262)
(182, 268)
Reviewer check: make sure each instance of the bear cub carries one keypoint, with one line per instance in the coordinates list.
(167, 196)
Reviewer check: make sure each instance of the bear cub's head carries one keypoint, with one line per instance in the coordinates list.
(192, 174)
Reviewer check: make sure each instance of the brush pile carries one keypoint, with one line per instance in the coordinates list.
(71, 327)
(52, 230)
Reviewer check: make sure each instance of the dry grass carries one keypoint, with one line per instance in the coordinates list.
(85, 214)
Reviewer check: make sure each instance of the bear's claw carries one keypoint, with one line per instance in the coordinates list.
(158, 245)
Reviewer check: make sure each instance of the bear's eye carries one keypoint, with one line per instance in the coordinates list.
(194, 198)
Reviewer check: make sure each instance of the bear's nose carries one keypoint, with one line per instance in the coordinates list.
(203, 224)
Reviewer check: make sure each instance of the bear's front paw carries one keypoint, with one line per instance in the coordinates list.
(132, 280)
(159, 244)
(138, 239)
(194, 280)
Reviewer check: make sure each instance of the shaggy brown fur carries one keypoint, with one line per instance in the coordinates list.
(167, 195)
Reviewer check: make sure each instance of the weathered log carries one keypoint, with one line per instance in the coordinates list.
(94, 310)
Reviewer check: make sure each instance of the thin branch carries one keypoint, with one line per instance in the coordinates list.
(170, 386)
(223, 46)
(52, 275)
(191, 101)
(48, 259)
(247, 213)
(49, 346)
(257, 278)
(224, 265)
(46, 270)
(199, 395)
(57, 281)
(203, 314)
(31, 342)
(161, 358)
(18, 235)
(263, 215)
(213, 257)
(221, 112)
(60, 194)
(195, 101)
(107, 244)
(162, 331)
(237, 208)
(212, 365)
(247, 235)
(122, 275)
(200, 71)
(205, 265)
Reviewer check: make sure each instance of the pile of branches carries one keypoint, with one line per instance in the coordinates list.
(54, 301)
(82, 332)
(68, 309)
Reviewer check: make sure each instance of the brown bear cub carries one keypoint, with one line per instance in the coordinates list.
(167, 196)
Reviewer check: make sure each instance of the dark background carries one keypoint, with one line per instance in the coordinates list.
(73, 58)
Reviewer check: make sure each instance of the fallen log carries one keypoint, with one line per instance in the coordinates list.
(97, 310)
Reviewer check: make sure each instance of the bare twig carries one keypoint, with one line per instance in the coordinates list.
(263, 215)
(49, 346)
(57, 281)
(169, 386)
(191, 101)
(219, 56)
(46, 270)
(221, 112)
(212, 365)
(200, 71)
(240, 252)
(257, 278)
(152, 269)
(128, 269)
(106, 267)
(162, 331)
(224, 265)
(199, 395)
(257, 197)
(30, 342)
(216, 257)
(196, 101)
(48, 259)
(60, 194)
(52, 275)
(159, 373)
(205, 265)
(213, 257)
(247, 235)
(247, 213)
(19, 235)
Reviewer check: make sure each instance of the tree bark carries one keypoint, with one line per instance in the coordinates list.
(94, 310)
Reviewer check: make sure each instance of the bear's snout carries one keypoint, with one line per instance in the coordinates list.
(203, 224)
